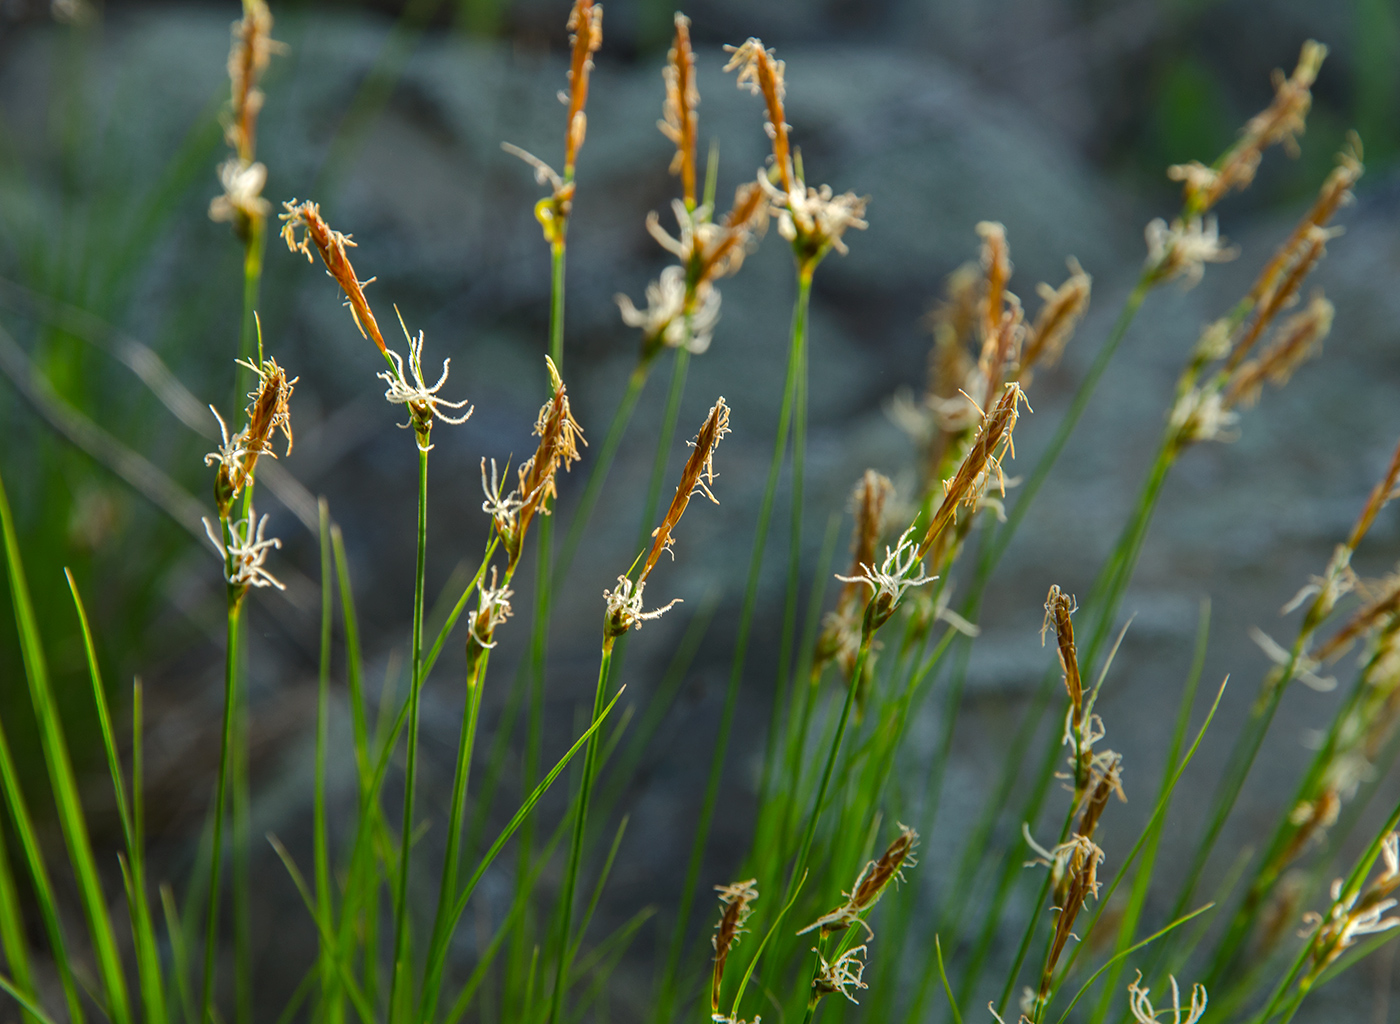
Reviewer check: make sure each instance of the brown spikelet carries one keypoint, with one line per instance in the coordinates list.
(678, 121)
(762, 73)
(331, 245)
(267, 414)
(1311, 247)
(1106, 779)
(252, 50)
(983, 460)
(1055, 322)
(746, 221)
(559, 435)
(1279, 123)
(1380, 496)
(870, 884)
(698, 474)
(1081, 873)
(1334, 194)
(996, 264)
(1059, 606)
(1299, 339)
(585, 27)
(1386, 603)
(736, 898)
(875, 879)
(868, 505)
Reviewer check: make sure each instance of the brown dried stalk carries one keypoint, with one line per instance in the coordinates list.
(736, 898)
(331, 245)
(1083, 858)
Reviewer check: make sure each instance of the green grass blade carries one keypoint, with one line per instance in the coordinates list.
(13, 941)
(943, 976)
(1127, 952)
(143, 931)
(61, 778)
(22, 996)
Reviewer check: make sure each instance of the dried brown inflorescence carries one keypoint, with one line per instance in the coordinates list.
(697, 476)
(981, 464)
(840, 636)
(869, 886)
(1206, 411)
(1061, 310)
(237, 456)
(678, 121)
(737, 899)
(241, 203)
(812, 219)
(1280, 122)
(981, 340)
(624, 604)
(560, 436)
(331, 245)
(585, 28)
(1081, 859)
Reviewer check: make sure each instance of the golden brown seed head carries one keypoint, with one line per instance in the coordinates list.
(762, 74)
(585, 27)
(698, 474)
(736, 899)
(1299, 339)
(981, 464)
(996, 265)
(1060, 313)
(678, 122)
(559, 435)
(331, 245)
(252, 50)
(1280, 122)
(268, 413)
(1059, 606)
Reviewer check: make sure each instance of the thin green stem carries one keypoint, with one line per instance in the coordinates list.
(556, 303)
(400, 965)
(797, 345)
(571, 871)
(447, 888)
(211, 914)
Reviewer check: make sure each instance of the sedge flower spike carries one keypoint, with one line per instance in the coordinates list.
(870, 885)
(245, 553)
(902, 570)
(424, 403)
(737, 899)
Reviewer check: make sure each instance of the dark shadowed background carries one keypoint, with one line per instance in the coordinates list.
(1055, 117)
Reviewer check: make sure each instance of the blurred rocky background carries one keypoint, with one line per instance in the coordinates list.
(1055, 117)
